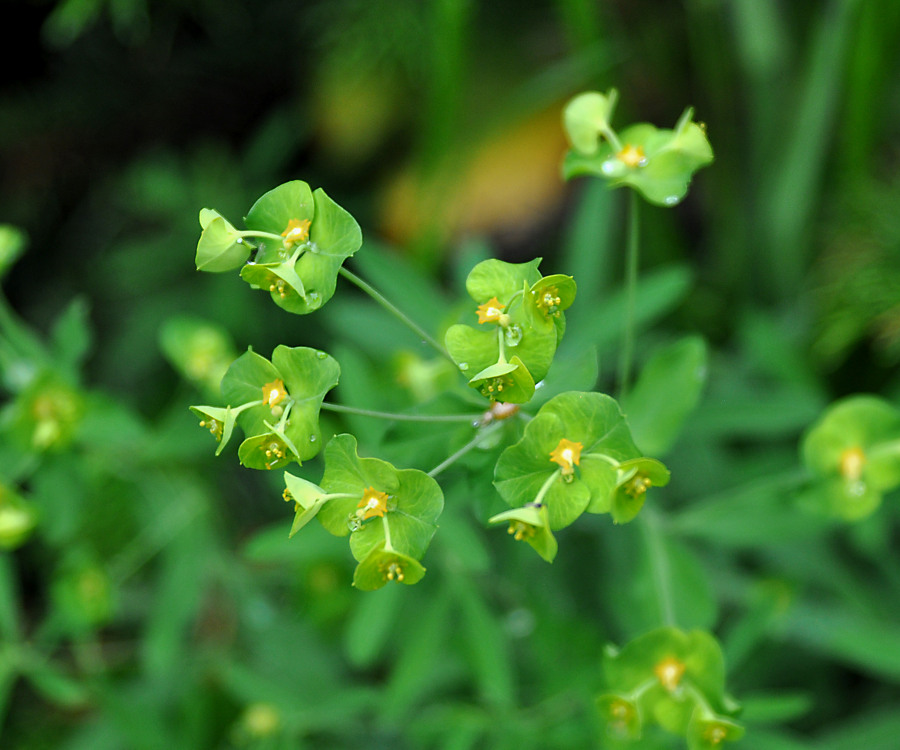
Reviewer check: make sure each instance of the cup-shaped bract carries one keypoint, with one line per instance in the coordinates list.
(635, 477)
(546, 301)
(708, 731)
(657, 162)
(382, 566)
(620, 715)
(537, 469)
(509, 382)
(46, 415)
(18, 517)
(281, 401)
(220, 247)
(308, 499)
(530, 524)
(300, 271)
(853, 450)
(587, 117)
(219, 421)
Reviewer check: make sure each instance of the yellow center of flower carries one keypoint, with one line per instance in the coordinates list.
(490, 311)
(297, 231)
(669, 672)
(373, 503)
(274, 393)
(638, 485)
(852, 462)
(568, 455)
(521, 530)
(632, 156)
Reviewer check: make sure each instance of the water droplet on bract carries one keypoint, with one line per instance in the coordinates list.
(463, 366)
(312, 438)
(354, 524)
(313, 298)
(857, 488)
(240, 240)
(313, 247)
(321, 355)
(670, 200)
(513, 335)
(609, 167)
(643, 162)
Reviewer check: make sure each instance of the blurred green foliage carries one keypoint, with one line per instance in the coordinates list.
(153, 598)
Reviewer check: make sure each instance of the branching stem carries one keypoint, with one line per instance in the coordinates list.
(631, 274)
(402, 417)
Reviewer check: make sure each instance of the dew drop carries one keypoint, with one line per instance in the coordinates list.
(354, 524)
(240, 240)
(513, 335)
(313, 298)
(321, 355)
(312, 438)
(463, 366)
(670, 200)
(609, 167)
(857, 488)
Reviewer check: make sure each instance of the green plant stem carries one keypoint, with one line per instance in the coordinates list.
(659, 564)
(402, 417)
(631, 274)
(452, 459)
(396, 312)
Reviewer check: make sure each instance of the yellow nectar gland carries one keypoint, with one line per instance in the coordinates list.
(215, 427)
(274, 393)
(568, 455)
(669, 673)
(297, 231)
(393, 572)
(632, 156)
(521, 530)
(852, 462)
(490, 311)
(373, 503)
(638, 485)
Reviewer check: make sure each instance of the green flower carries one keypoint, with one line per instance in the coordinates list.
(276, 404)
(657, 162)
(854, 452)
(635, 477)
(568, 458)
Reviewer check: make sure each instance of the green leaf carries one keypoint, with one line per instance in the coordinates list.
(666, 392)
(220, 247)
(371, 625)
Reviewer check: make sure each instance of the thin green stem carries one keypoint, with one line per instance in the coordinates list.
(387, 533)
(396, 312)
(452, 459)
(659, 563)
(402, 417)
(631, 274)
(545, 487)
(263, 235)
